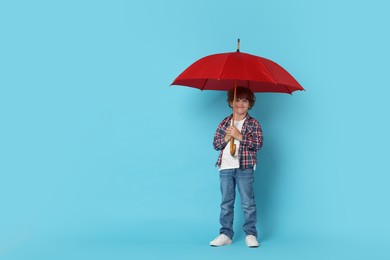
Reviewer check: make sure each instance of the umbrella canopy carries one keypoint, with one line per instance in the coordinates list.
(225, 70)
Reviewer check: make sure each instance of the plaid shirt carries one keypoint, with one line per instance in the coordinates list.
(252, 141)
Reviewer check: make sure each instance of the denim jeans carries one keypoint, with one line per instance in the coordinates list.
(243, 179)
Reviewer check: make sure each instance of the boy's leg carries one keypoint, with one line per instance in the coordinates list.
(245, 180)
(228, 192)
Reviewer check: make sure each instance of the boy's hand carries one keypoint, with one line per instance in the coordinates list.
(231, 131)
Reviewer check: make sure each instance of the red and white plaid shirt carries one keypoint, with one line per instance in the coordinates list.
(252, 141)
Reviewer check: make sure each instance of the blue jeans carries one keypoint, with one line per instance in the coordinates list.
(243, 179)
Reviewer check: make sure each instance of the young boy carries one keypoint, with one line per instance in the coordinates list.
(238, 170)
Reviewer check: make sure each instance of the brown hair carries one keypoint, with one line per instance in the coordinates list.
(241, 93)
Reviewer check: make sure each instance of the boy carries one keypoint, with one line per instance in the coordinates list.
(238, 170)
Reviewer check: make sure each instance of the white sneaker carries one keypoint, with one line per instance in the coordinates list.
(251, 241)
(221, 240)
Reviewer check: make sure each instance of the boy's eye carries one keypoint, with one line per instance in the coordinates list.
(243, 100)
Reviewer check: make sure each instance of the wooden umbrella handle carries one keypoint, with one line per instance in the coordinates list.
(232, 145)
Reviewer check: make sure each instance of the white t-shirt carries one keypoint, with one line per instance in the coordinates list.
(228, 161)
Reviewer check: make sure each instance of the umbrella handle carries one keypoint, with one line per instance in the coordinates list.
(232, 147)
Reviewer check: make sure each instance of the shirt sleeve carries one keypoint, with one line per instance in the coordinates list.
(219, 137)
(253, 138)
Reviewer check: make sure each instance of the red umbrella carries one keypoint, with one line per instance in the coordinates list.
(225, 71)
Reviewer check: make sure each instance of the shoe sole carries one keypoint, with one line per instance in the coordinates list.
(221, 245)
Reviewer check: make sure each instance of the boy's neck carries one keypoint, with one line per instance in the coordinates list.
(238, 117)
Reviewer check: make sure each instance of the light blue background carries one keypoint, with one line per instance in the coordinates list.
(101, 159)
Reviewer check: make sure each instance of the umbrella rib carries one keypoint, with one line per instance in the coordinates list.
(287, 89)
(222, 69)
(269, 74)
(204, 84)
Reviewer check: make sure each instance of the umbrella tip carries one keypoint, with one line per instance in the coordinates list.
(238, 45)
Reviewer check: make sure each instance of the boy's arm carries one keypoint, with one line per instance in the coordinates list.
(254, 138)
(219, 142)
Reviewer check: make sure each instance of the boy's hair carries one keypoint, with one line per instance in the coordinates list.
(241, 93)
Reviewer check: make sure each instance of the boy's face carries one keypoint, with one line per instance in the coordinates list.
(241, 106)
